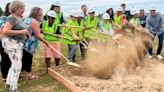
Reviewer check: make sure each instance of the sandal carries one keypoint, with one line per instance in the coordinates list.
(31, 77)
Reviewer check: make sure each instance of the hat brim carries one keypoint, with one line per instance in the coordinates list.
(52, 16)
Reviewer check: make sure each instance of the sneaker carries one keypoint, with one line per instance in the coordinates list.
(16, 90)
(150, 56)
(159, 57)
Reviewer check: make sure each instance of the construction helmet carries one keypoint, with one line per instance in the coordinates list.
(91, 10)
(133, 11)
(51, 13)
(74, 13)
(56, 3)
(152, 7)
(106, 16)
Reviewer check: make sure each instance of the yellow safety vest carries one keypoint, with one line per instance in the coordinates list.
(68, 34)
(52, 30)
(91, 23)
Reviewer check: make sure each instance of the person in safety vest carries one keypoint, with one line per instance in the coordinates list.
(119, 19)
(109, 10)
(92, 23)
(49, 26)
(105, 24)
(71, 33)
(59, 15)
(106, 27)
(134, 20)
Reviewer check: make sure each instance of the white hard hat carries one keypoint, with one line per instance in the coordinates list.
(106, 16)
(56, 3)
(81, 14)
(74, 13)
(133, 11)
(91, 10)
(107, 8)
(119, 8)
(152, 7)
(51, 13)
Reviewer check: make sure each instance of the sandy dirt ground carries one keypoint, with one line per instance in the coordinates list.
(147, 78)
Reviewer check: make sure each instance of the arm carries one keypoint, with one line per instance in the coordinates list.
(9, 32)
(1, 33)
(147, 23)
(73, 33)
(36, 29)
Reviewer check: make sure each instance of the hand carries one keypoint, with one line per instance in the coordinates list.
(26, 32)
(63, 25)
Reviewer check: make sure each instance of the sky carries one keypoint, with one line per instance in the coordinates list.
(99, 5)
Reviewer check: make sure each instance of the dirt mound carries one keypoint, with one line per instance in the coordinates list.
(148, 78)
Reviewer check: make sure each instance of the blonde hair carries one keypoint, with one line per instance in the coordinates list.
(15, 5)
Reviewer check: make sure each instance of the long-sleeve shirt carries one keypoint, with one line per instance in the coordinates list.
(154, 24)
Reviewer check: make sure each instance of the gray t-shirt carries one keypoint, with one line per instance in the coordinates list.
(18, 25)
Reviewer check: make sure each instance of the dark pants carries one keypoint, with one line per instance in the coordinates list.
(5, 63)
(27, 61)
(160, 44)
(83, 51)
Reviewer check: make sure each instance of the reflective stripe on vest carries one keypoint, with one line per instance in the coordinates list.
(52, 30)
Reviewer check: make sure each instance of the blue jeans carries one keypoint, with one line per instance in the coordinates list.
(71, 52)
(160, 44)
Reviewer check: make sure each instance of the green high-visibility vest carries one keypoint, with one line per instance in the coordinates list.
(58, 16)
(135, 21)
(118, 19)
(68, 34)
(94, 23)
(108, 27)
(52, 30)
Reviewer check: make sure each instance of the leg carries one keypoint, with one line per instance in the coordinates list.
(5, 63)
(56, 54)
(82, 51)
(15, 56)
(47, 55)
(150, 50)
(72, 52)
(160, 43)
(27, 61)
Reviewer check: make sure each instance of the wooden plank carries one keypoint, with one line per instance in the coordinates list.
(71, 86)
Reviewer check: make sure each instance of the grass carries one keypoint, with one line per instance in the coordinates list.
(45, 83)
